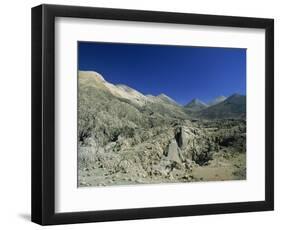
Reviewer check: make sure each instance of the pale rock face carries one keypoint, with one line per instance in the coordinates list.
(165, 98)
(185, 138)
(173, 152)
(121, 91)
(90, 74)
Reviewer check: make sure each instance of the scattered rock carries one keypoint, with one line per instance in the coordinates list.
(147, 139)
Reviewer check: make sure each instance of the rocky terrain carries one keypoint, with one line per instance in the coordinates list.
(125, 137)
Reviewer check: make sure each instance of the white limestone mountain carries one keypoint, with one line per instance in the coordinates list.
(120, 90)
(219, 108)
(161, 104)
(96, 80)
(161, 98)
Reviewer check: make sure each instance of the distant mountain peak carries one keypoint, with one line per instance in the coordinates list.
(235, 95)
(232, 107)
(196, 101)
(236, 98)
(221, 97)
(216, 100)
(196, 105)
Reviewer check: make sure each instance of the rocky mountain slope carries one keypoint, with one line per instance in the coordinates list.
(216, 100)
(125, 137)
(195, 105)
(232, 107)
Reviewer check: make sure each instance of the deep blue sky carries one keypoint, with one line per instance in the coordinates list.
(181, 72)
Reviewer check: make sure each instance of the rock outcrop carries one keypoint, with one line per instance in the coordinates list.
(125, 137)
(173, 153)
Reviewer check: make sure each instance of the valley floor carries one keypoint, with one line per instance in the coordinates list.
(219, 169)
(197, 151)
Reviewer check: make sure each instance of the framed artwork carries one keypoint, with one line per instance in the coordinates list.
(142, 114)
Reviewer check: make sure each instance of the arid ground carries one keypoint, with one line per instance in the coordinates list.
(125, 137)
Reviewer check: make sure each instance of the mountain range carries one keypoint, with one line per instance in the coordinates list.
(126, 137)
(220, 107)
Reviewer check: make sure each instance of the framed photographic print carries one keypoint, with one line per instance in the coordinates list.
(141, 114)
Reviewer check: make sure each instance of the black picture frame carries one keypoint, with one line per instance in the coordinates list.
(43, 114)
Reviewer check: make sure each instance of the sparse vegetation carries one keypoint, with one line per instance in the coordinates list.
(123, 141)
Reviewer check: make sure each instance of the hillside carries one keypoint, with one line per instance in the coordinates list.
(232, 107)
(195, 105)
(125, 137)
(216, 100)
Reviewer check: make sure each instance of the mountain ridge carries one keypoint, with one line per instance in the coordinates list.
(195, 105)
(217, 100)
(233, 106)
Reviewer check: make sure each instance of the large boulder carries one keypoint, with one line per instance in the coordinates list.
(184, 138)
(173, 153)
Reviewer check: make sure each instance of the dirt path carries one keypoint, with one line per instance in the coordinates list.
(221, 169)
